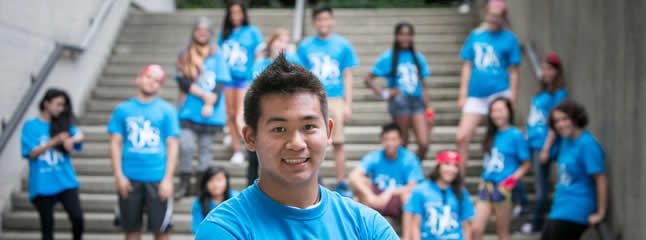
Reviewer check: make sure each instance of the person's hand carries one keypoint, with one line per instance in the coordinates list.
(383, 199)
(509, 183)
(165, 189)
(59, 138)
(595, 218)
(68, 144)
(347, 113)
(461, 101)
(544, 157)
(394, 92)
(123, 186)
(207, 110)
(209, 98)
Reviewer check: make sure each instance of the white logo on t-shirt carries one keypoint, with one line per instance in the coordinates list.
(564, 177)
(535, 116)
(408, 77)
(486, 59)
(235, 54)
(52, 157)
(142, 135)
(325, 69)
(441, 221)
(495, 161)
(385, 182)
(206, 81)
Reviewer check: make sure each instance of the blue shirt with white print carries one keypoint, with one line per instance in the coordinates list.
(214, 72)
(407, 78)
(253, 215)
(327, 59)
(537, 121)
(507, 153)
(490, 53)
(263, 63)
(389, 174)
(51, 172)
(239, 49)
(196, 210)
(441, 211)
(575, 197)
(144, 126)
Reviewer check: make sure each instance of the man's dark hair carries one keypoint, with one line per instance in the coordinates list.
(281, 77)
(390, 127)
(321, 9)
(573, 110)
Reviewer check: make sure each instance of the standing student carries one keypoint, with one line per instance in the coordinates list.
(385, 178)
(405, 70)
(288, 127)
(191, 58)
(214, 188)
(581, 195)
(440, 207)
(47, 142)
(491, 57)
(542, 140)
(506, 155)
(143, 149)
(331, 58)
(238, 41)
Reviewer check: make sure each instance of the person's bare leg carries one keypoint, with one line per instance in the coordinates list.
(231, 105)
(339, 158)
(404, 123)
(468, 124)
(162, 236)
(240, 104)
(133, 235)
(503, 221)
(483, 211)
(421, 130)
(366, 198)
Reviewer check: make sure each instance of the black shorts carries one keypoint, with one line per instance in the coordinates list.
(144, 196)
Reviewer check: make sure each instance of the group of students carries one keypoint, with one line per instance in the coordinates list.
(289, 105)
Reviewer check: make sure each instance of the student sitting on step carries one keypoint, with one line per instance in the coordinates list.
(143, 149)
(385, 178)
(215, 188)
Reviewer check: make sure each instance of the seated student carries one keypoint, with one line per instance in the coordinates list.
(215, 188)
(287, 125)
(385, 178)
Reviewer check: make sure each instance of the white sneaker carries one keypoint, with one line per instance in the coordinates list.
(227, 140)
(527, 229)
(237, 158)
(464, 8)
(517, 211)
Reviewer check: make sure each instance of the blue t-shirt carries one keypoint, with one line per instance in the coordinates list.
(537, 121)
(490, 53)
(215, 71)
(508, 152)
(575, 197)
(327, 59)
(441, 211)
(239, 49)
(144, 126)
(196, 210)
(263, 63)
(389, 174)
(253, 215)
(51, 172)
(407, 80)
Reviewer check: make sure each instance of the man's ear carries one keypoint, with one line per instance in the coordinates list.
(249, 137)
(330, 126)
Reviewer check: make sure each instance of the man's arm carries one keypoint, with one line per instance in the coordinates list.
(166, 185)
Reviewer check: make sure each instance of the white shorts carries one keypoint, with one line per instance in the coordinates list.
(480, 106)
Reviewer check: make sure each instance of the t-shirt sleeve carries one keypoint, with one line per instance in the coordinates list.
(350, 59)
(197, 215)
(593, 159)
(74, 131)
(416, 173)
(301, 52)
(208, 230)
(379, 228)
(514, 54)
(367, 163)
(559, 96)
(221, 224)
(116, 125)
(467, 49)
(28, 140)
(426, 72)
(415, 203)
(171, 123)
(523, 147)
(467, 209)
(258, 39)
(383, 65)
(222, 72)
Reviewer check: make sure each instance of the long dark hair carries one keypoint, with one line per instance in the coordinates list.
(205, 195)
(456, 185)
(64, 120)
(397, 48)
(227, 27)
(487, 143)
(558, 81)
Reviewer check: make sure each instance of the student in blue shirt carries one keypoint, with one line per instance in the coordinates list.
(440, 207)
(143, 149)
(385, 178)
(239, 42)
(491, 57)
(202, 72)
(47, 142)
(287, 126)
(331, 58)
(581, 195)
(214, 188)
(404, 70)
(541, 138)
(506, 155)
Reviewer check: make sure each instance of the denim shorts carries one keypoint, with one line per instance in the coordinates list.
(237, 83)
(406, 106)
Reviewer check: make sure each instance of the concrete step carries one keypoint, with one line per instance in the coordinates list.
(338, 13)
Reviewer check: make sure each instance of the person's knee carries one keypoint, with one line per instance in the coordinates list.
(462, 138)
(186, 147)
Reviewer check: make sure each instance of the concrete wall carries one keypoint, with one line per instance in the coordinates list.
(603, 46)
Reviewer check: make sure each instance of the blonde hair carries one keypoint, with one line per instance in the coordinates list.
(274, 36)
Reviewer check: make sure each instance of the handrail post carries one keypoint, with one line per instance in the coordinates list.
(299, 17)
(533, 60)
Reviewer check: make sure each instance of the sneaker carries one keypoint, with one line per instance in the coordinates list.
(227, 140)
(517, 211)
(343, 189)
(528, 229)
(237, 158)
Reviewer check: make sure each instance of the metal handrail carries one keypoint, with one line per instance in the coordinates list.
(533, 60)
(39, 79)
(299, 18)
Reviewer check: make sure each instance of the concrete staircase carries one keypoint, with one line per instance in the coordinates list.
(156, 38)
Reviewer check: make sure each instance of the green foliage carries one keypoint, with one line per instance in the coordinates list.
(332, 3)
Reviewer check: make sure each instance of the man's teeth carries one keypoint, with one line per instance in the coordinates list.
(295, 161)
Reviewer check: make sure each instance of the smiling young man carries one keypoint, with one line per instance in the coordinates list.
(288, 128)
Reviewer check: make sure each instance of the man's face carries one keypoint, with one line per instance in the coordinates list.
(291, 138)
(150, 82)
(323, 23)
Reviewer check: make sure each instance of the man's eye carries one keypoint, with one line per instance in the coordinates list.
(279, 130)
(309, 127)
